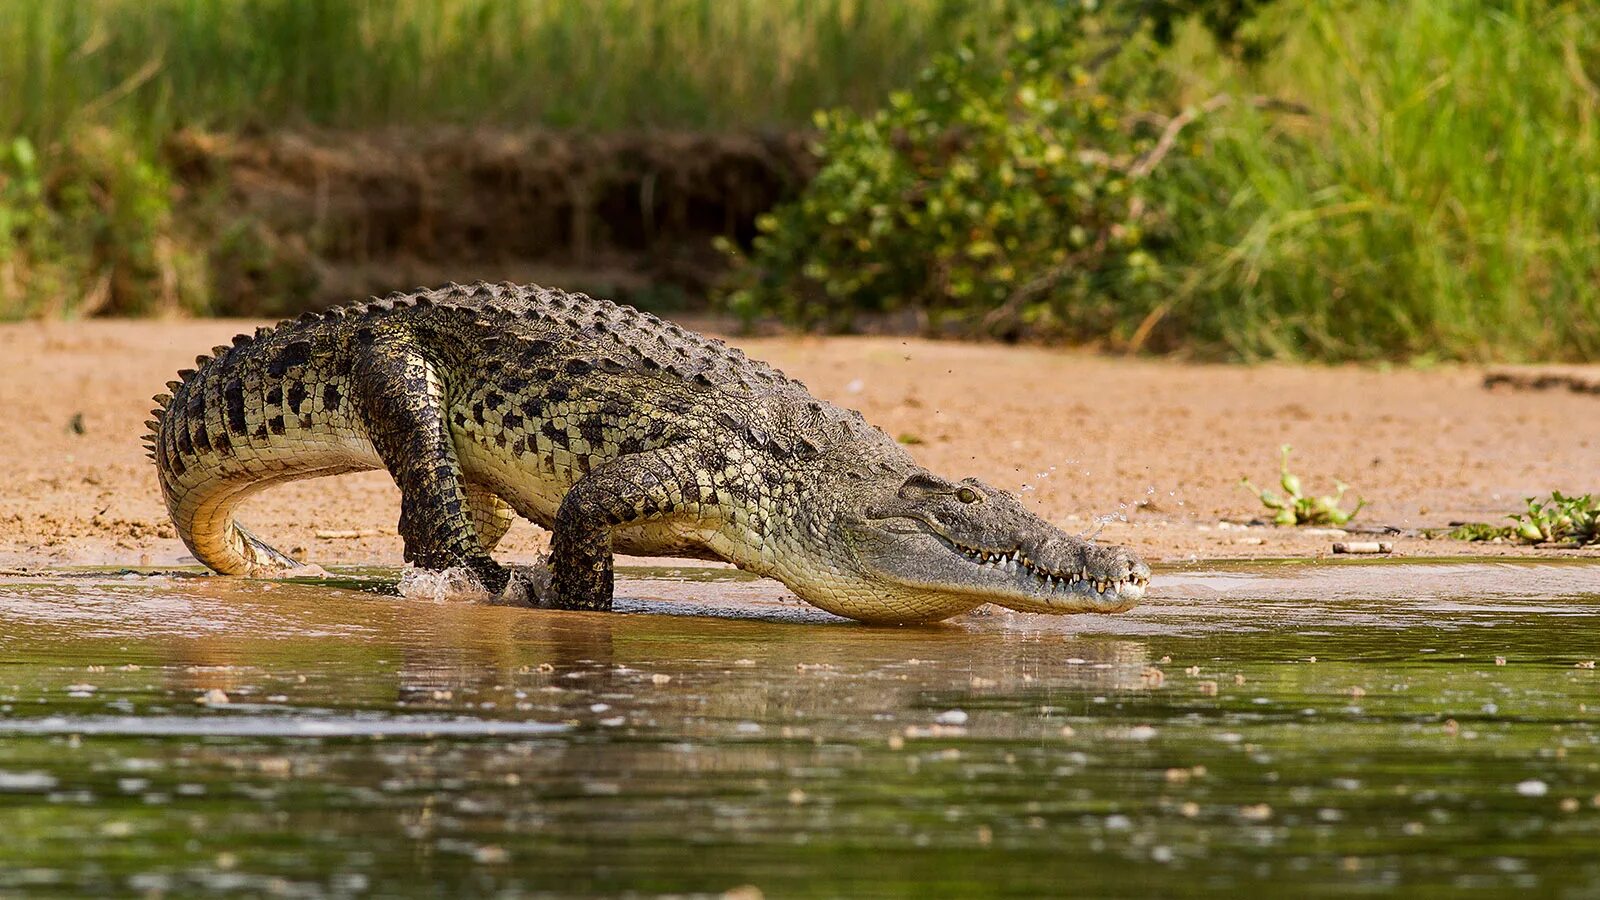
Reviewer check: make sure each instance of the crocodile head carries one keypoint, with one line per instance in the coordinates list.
(928, 548)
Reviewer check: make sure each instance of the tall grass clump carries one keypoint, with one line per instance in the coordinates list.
(588, 63)
(1440, 199)
(1408, 179)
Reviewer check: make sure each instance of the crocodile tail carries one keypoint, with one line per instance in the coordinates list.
(211, 453)
(200, 490)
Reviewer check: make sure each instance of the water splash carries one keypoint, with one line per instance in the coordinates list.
(529, 586)
(1102, 520)
(444, 586)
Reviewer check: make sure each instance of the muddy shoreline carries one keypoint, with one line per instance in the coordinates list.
(1148, 451)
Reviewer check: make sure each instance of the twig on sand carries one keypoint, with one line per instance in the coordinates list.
(346, 534)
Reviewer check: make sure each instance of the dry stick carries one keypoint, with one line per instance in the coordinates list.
(1574, 64)
(1164, 145)
(1360, 547)
(149, 70)
(1140, 169)
(1176, 124)
(1169, 135)
(1008, 309)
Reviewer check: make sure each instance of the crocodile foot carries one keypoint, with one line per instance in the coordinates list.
(531, 587)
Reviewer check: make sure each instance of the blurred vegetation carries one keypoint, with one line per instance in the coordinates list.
(91, 230)
(997, 198)
(1336, 179)
(93, 89)
(1439, 201)
(1414, 179)
(156, 64)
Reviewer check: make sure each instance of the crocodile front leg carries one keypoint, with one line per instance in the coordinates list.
(628, 490)
(402, 406)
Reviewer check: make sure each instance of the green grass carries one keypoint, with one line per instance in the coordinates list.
(362, 63)
(1437, 200)
(1440, 200)
(91, 89)
(1415, 179)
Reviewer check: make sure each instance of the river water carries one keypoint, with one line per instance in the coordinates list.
(1300, 728)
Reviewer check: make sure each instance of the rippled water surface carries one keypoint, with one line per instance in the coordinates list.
(1306, 728)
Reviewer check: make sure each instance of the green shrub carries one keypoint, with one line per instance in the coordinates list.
(88, 228)
(1006, 197)
(1369, 180)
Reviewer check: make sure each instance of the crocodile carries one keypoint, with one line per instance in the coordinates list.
(617, 431)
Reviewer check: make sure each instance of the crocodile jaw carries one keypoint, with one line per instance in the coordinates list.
(969, 543)
(1108, 579)
(1066, 575)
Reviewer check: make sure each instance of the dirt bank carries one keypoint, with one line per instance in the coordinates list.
(1162, 443)
(314, 218)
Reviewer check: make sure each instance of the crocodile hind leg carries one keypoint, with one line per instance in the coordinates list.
(491, 516)
(627, 490)
(402, 406)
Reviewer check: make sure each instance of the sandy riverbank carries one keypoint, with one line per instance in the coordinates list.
(1160, 443)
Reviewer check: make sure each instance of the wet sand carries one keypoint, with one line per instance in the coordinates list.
(1158, 446)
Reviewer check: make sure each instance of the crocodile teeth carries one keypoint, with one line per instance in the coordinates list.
(1009, 560)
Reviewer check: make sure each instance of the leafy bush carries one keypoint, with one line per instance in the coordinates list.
(89, 229)
(1005, 197)
(1353, 180)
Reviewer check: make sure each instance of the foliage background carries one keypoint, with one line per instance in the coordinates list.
(1246, 179)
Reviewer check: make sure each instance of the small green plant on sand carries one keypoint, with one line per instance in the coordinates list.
(1296, 508)
(1556, 518)
(1559, 518)
(1473, 531)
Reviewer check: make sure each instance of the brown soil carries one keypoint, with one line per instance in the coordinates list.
(1162, 443)
(314, 218)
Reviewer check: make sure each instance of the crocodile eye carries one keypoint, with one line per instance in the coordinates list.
(967, 495)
